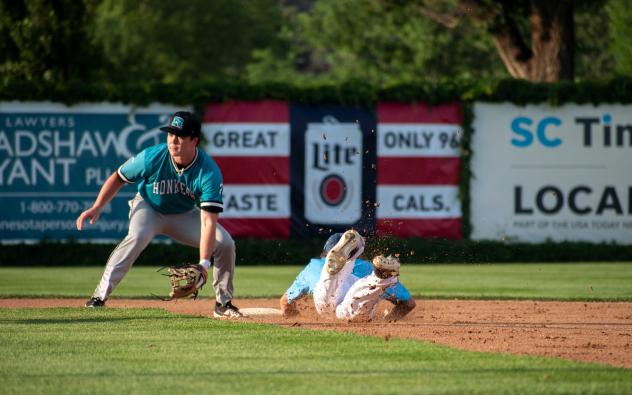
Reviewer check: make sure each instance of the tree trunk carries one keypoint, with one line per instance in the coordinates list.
(551, 56)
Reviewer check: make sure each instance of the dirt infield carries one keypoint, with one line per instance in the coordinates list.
(594, 332)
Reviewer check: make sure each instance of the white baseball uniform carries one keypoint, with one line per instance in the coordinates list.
(347, 296)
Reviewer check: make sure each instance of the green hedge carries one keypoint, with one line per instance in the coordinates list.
(617, 90)
(269, 252)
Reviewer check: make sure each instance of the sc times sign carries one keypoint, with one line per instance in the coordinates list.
(594, 131)
(544, 173)
(54, 159)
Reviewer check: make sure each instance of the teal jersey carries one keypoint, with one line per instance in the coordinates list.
(170, 191)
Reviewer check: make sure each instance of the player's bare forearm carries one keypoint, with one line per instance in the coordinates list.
(208, 222)
(287, 309)
(400, 310)
(109, 189)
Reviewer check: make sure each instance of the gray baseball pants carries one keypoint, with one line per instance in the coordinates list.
(144, 224)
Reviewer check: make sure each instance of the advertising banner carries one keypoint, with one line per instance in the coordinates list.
(333, 182)
(250, 141)
(289, 170)
(54, 159)
(560, 174)
(418, 169)
(333, 169)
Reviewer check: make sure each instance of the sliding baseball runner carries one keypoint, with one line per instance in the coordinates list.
(347, 287)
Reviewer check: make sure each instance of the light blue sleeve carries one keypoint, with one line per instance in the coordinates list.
(306, 280)
(397, 293)
(362, 268)
(134, 168)
(297, 289)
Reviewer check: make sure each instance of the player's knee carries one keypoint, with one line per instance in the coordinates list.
(226, 243)
(141, 237)
(225, 247)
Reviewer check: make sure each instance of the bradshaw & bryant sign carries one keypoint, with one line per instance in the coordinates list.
(54, 159)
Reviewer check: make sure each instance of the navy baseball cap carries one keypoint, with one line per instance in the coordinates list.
(183, 124)
(331, 242)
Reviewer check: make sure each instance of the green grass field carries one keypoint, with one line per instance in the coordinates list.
(121, 351)
(598, 281)
(150, 351)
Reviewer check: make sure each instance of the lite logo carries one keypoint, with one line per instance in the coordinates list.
(333, 172)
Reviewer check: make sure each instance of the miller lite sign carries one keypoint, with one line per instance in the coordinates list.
(333, 172)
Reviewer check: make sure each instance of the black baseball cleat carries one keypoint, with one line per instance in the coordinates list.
(95, 302)
(226, 311)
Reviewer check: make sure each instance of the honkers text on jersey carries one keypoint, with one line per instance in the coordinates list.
(170, 187)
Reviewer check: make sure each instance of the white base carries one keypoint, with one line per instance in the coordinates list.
(252, 311)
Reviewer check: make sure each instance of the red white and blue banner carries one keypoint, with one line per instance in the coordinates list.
(250, 141)
(303, 170)
(418, 169)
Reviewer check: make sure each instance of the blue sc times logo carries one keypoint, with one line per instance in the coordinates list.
(597, 131)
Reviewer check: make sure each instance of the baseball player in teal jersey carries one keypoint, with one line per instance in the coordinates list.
(350, 299)
(179, 196)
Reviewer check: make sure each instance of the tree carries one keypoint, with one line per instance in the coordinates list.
(534, 38)
(182, 40)
(377, 42)
(391, 41)
(47, 40)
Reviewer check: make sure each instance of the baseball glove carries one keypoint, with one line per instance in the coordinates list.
(186, 280)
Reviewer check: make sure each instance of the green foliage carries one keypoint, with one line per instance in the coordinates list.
(366, 40)
(47, 40)
(593, 59)
(620, 15)
(184, 40)
(355, 92)
(381, 43)
(377, 42)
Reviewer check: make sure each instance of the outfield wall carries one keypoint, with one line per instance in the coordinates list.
(306, 170)
(293, 171)
(290, 170)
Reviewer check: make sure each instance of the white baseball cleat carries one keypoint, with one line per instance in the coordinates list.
(386, 266)
(349, 247)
